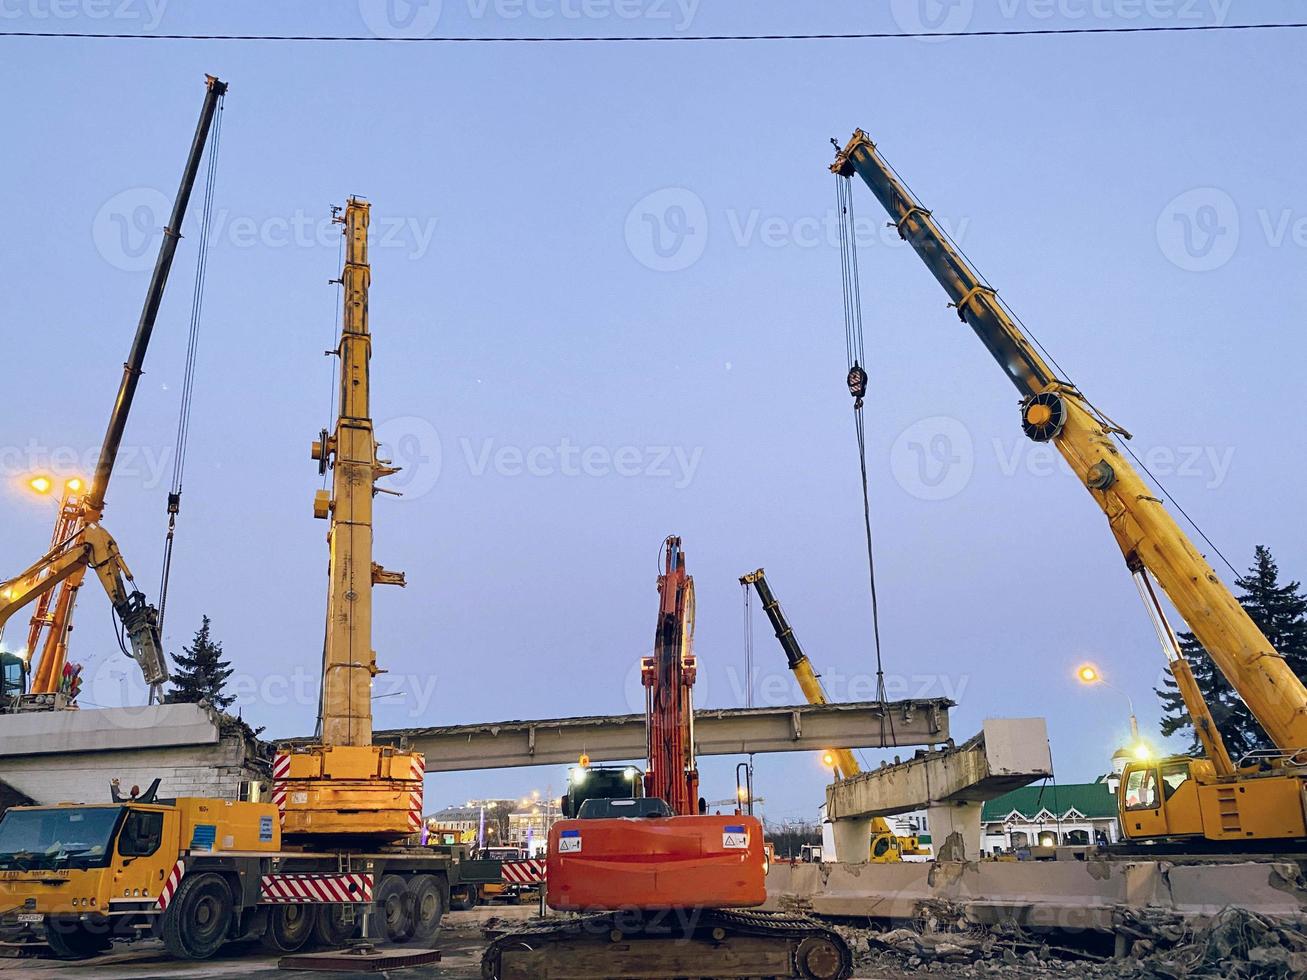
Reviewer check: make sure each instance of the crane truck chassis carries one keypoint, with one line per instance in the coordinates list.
(197, 873)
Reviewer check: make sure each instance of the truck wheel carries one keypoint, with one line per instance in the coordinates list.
(73, 941)
(289, 927)
(463, 898)
(199, 918)
(428, 907)
(331, 929)
(393, 909)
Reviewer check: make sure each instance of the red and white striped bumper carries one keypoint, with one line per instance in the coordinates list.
(284, 889)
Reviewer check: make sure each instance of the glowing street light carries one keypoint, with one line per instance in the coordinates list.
(1090, 675)
(828, 759)
(40, 484)
(74, 485)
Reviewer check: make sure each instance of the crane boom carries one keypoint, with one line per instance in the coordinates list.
(1054, 410)
(135, 363)
(349, 662)
(846, 765)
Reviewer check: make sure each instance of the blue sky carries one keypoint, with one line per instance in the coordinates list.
(606, 308)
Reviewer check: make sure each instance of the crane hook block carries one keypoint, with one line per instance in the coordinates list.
(321, 505)
(857, 381)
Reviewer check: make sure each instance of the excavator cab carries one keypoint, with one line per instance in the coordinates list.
(886, 848)
(13, 676)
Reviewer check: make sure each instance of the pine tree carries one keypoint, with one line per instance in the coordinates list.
(1281, 613)
(201, 672)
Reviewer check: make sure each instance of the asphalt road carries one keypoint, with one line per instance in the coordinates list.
(461, 943)
(460, 946)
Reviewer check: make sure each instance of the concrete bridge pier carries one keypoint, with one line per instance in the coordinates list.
(950, 784)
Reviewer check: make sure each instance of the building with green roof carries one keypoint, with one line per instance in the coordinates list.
(1070, 813)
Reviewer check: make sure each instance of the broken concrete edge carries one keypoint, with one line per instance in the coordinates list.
(1066, 896)
(109, 729)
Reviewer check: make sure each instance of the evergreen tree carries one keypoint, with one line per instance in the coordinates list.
(201, 672)
(1281, 613)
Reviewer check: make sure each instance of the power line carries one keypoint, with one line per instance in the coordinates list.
(597, 39)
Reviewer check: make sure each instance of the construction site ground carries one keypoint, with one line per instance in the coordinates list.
(1237, 945)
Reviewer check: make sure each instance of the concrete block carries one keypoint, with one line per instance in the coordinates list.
(106, 729)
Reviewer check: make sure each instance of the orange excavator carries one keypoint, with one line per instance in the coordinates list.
(661, 888)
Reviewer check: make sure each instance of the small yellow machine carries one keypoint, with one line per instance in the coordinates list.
(885, 847)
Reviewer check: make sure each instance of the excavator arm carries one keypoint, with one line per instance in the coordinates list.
(1053, 410)
(94, 549)
(90, 546)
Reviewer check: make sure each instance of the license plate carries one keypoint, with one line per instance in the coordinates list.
(35, 918)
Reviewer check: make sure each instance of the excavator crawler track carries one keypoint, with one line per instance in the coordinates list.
(684, 944)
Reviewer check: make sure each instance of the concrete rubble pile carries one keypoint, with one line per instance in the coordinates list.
(1153, 945)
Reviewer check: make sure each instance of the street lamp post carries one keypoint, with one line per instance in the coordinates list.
(1090, 675)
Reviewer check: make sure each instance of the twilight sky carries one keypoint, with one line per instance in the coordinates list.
(606, 308)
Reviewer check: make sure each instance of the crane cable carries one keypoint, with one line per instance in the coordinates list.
(192, 346)
(857, 384)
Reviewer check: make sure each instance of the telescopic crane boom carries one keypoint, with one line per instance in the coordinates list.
(90, 546)
(1054, 410)
(344, 787)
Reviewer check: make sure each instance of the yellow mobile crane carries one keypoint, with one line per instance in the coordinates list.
(1262, 797)
(327, 853)
(885, 846)
(87, 544)
(345, 786)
